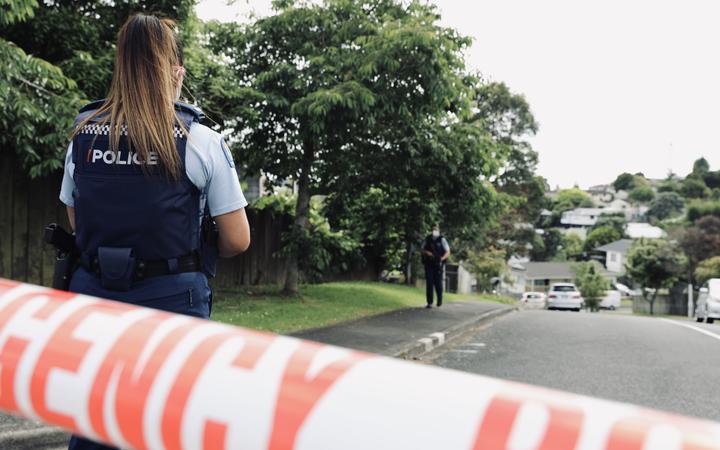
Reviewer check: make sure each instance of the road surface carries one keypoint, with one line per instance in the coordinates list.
(671, 365)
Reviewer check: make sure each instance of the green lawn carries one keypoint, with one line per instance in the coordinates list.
(318, 305)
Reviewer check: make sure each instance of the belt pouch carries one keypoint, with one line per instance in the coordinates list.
(117, 266)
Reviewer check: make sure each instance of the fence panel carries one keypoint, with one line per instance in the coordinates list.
(26, 206)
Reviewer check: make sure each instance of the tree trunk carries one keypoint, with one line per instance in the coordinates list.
(408, 263)
(302, 208)
(652, 302)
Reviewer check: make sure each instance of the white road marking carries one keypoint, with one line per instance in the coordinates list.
(464, 351)
(476, 344)
(699, 330)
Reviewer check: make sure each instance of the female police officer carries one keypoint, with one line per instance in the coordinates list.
(141, 174)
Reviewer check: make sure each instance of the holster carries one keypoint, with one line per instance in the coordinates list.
(117, 267)
(67, 255)
(65, 265)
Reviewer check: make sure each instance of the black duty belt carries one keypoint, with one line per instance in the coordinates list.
(150, 268)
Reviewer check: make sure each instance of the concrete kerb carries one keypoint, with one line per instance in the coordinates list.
(427, 344)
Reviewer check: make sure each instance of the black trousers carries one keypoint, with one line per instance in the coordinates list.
(434, 280)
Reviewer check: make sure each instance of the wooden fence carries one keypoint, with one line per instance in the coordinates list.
(26, 206)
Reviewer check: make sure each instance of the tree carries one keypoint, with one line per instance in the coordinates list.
(342, 92)
(624, 182)
(591, 283)
(508, 119)
(694, 188)
(615, 220)
(39, 100)
(699, 209)
(641, 194)
(701, 241)
(700, 167)
(654, 264)
(710, 268)
(666, 205)
(547, 246)
(669, 185)
(712, 179)
(601, 236)
(568, 199)
(572, 246)
(486, 265)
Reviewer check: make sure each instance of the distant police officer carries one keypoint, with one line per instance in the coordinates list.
(142, 179)
(434, 255)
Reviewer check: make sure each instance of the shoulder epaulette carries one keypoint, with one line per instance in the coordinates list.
(197, 113)
(92, 105)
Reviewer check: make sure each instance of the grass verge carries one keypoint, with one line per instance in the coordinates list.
(318, 305)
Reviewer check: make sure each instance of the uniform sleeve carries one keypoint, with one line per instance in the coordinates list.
(224, 194)
(68, 183)
(445, 245)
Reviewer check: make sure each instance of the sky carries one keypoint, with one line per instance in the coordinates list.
(616, 85)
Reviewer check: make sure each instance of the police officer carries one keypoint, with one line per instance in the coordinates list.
(435, 253)
(142, 177)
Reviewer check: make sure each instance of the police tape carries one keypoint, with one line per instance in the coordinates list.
(145, 379)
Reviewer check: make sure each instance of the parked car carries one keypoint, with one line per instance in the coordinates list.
(708, 302)
(564, 296)
(611, 300)
(533, 299)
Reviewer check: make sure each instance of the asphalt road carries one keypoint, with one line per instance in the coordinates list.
(647, 361)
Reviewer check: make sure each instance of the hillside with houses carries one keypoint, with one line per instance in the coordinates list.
(605, 224)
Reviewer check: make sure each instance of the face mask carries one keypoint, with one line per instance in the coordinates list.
(435, 233)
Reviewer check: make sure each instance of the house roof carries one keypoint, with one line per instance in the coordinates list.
(549, 270)
(621, 246)
(637, 230)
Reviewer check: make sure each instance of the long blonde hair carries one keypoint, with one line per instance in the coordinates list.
(143, 91)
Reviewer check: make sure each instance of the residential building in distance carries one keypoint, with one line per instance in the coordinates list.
(616, 255)
(583, 217)
(539, 276)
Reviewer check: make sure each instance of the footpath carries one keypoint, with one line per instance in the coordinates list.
(406, 333)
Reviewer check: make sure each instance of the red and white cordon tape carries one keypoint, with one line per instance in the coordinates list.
(145, 379)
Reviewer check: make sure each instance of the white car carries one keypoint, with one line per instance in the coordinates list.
(708, 302)
(564, 296)
(533, 299)
(611, 300)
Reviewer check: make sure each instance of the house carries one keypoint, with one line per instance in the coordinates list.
(539, 276)
(584, 217)
(601, 194)
(616, 255)
(639, 230)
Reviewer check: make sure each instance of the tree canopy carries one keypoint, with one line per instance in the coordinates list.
(601, 236)
(666, 205)
(654, 264)
(590, 282)
(707, 269)
(367, 104)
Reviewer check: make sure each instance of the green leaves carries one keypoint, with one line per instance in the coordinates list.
(38, 106)
(655, 263)
(12, 11)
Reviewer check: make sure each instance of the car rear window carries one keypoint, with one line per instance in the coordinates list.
(563, 288)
